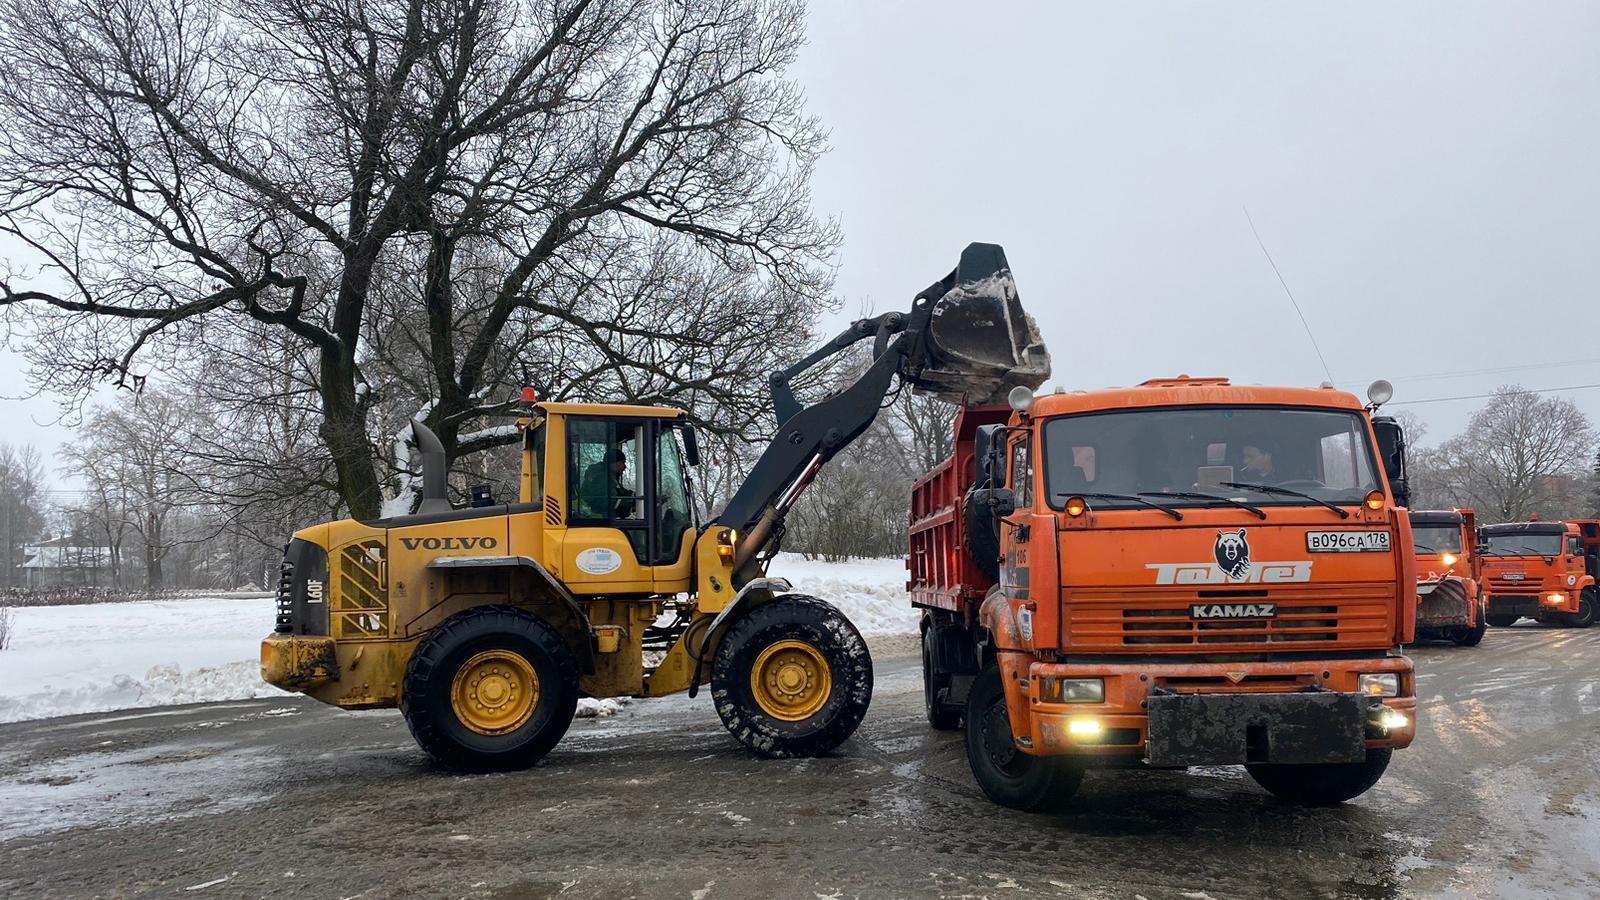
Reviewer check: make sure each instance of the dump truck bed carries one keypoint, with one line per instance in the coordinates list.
(942, 574)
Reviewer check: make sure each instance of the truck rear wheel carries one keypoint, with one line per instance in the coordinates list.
(1322, 784)
(492, 689)
(1584, 617)
(1008, 776)
(792, 678)
(1501, 620)
(942, 716)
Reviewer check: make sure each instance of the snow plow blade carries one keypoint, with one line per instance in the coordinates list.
(980, 342)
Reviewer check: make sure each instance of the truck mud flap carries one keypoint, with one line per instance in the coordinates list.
(1230, 729)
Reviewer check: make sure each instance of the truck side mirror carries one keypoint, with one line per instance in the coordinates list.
(986, 444)
(999, 502)
(1392, 453)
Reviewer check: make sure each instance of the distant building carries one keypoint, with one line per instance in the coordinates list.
(61, 562)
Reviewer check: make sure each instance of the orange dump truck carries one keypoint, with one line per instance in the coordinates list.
(1186, 572)
(1450, 600)
(1542, 570)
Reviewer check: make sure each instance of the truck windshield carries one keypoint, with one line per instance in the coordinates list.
(1436, 538)
(1513, 543)
(1323, 454)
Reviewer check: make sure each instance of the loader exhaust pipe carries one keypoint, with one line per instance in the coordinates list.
(435, 497)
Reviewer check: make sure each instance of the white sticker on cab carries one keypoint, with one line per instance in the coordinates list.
(599, 561)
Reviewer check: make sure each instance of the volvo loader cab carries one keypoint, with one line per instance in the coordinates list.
(1545, 571)
(486, 625)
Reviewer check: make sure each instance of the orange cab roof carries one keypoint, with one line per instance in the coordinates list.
(1186, 391)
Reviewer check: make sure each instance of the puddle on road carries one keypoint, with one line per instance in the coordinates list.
(121, 787)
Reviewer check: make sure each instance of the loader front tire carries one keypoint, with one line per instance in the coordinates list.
(1008, 776)
(492, 689)
(792, 678)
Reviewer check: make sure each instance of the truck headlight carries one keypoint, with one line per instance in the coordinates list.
(1449, 559)
(1555, 599)
(1379, 684)
(1072, 690)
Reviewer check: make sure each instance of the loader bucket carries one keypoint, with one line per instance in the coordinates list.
(980, 342)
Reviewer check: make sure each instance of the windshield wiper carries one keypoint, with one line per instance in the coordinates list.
(1166, 509)
(1422, 548)
(1536, 552)
(1191, 495)
(1274, 489)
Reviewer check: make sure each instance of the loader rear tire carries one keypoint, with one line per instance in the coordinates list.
(792, 678)
(1008, 776)
(492, 689)
(1322, 784)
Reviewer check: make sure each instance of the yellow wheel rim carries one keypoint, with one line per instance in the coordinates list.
(791, 681)
(495, 692)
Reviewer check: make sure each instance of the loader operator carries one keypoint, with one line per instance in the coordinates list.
(602, 481)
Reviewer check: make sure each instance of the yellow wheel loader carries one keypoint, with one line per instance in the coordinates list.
(485, 625)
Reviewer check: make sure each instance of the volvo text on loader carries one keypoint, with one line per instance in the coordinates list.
(1451, 605)
(1186, 572)
(484, 625)
(1543, 570)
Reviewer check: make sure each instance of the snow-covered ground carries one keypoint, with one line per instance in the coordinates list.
(77, 659)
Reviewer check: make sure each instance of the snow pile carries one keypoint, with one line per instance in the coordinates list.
(65, 660)
(870, 592)
(76, 659)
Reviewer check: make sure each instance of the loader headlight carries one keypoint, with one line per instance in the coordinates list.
(727, 542)
(1072, 690)
(1379, 684)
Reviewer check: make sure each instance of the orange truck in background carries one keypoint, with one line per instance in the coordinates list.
(1450, 597)
(1186, 572)
(1542, 570)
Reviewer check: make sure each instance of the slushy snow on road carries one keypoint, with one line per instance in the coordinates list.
(65, 660)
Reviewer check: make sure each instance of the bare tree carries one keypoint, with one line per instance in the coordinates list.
(1521, 454)
(22, 513)
(592, 196)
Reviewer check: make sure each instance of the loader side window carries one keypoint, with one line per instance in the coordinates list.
(603, 470)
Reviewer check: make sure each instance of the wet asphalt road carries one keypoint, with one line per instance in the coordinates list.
(1500, 796)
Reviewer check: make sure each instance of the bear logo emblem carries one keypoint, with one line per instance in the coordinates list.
(1233, 554)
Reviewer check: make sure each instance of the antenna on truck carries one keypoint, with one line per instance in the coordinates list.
(1303, 323)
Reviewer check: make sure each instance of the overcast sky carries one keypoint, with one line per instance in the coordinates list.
(1427, 176)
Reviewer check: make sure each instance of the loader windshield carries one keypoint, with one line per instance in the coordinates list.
(1322, 455)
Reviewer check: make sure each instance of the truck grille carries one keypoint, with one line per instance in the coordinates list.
(1502, 585)
(1355, 615)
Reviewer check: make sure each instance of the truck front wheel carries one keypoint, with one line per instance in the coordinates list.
(1501, 620)
(1584, 617)
(1007, 775)
(792, 678)
(492, 689)
(1321, 784)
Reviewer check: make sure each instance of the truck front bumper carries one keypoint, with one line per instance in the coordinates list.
(1213, 713)
(297, 662)
(1534, 605)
